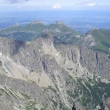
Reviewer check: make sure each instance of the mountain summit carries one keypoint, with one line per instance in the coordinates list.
(58, 22)
(36, 22)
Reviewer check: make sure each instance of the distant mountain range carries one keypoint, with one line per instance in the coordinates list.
(97, 39)
(35, 29)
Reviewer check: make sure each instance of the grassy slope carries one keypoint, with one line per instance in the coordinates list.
(24, 33)
(91, 92)
(31, 31)
(66, 35)
(62, 28)
(28, 27)
(102, 38)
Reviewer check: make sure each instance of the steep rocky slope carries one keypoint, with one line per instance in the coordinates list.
(47, 74)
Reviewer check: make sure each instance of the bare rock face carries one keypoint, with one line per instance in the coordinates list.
(96, 62)
(79, 107)
(30, 55)
(106, 104)
(18, 92)
(58, 22)
(49, 74)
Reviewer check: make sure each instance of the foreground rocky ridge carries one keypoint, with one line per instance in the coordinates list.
(49, 74)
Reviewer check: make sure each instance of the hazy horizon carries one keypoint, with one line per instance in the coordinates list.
(82, 21)
(54, 5)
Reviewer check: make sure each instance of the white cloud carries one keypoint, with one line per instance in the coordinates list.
(91, 4)
(57, 6)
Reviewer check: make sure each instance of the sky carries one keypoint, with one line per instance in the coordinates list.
(55, 4)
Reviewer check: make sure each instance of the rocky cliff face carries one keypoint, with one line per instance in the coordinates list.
(47, 74)
(96, 62)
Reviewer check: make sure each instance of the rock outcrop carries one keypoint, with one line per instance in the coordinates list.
(49, 74)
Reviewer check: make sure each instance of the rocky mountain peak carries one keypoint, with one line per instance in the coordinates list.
(59, 23)
(37, 22)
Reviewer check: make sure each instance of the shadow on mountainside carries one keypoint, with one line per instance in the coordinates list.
(73, 108)
(15, 46)
(102, 107)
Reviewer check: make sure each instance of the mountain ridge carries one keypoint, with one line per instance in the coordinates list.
(97, 39)
(48, 74)
(35, 28)
(55, 62)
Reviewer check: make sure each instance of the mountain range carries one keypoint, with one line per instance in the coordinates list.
(53, 67)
